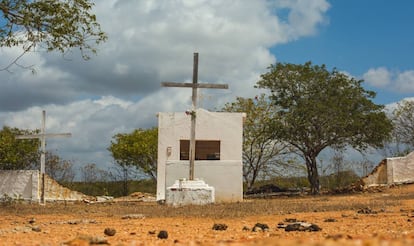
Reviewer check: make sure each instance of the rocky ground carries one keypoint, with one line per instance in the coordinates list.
(379, 217)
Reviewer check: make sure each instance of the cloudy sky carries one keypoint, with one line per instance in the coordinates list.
(151, 41)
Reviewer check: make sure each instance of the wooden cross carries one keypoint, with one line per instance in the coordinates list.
(195, 85)
(42, 136)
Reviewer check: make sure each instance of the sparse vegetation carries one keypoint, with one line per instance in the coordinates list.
(113, 188)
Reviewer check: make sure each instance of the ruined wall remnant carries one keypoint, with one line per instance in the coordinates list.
(26, 185)
(395, 170)
(378, 176)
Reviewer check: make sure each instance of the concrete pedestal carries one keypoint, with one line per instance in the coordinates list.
(189, 192)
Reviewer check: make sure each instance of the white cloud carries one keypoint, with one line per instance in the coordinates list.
(405, 81)
(150, 41)
(378, 77)
(394, 80)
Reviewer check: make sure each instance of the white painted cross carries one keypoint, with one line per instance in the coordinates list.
(195, 85)
(42, 136)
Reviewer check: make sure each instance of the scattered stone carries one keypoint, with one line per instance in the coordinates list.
(152, 232)
(32, 221)
(366, 210)
(133, 216)
(219, 227)
(110, 231)
(81, 221)
(281, 225)
(302, 226)
(163, 235)
(245, 228)
(330, 220)
(36, 229)
(260, 227)
(104, 198)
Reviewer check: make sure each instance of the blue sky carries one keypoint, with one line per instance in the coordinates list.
(360, 35)
(151, 41)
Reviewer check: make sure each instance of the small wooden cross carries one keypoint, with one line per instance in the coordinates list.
(42, 136)
(195, 85)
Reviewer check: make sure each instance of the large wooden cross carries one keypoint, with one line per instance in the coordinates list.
(195, 85)
(42, 136)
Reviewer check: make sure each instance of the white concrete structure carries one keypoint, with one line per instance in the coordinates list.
(25, 185)
(396, 170)
(20, 184)
(219, 143)
(189, 192)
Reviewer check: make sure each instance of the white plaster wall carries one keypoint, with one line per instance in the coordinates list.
(20, 184)
(25, 184)
(223, 126)
(224, 176)
(400, 169)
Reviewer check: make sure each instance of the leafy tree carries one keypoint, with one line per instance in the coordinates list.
(260, 149)
(138, 149)
(51, 24)
(318, 108)
(16, 154)
(403, 119)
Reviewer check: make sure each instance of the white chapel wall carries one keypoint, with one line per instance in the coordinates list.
(224, 174)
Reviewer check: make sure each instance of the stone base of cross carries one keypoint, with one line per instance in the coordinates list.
(189, 192)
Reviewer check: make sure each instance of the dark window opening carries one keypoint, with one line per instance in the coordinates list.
(204, 150)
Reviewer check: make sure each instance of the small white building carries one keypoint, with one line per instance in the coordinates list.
(219, 144)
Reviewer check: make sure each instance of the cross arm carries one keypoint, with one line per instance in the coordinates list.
(195, 85)
(47, 135)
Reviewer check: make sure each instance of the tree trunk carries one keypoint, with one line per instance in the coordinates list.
(313, 176)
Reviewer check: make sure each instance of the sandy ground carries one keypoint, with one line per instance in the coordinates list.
(388, 219)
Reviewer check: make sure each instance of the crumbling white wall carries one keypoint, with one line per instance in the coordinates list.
(20, 184)
(56, 192)
(225, 175)
(400, 169)
(26, 185)
(394, 170)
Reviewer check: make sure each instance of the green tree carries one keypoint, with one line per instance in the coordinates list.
(16, 154)
(138, 149)
(260, 149)
(318, 108)
(50, 24)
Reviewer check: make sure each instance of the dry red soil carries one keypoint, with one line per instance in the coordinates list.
(371, 218)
